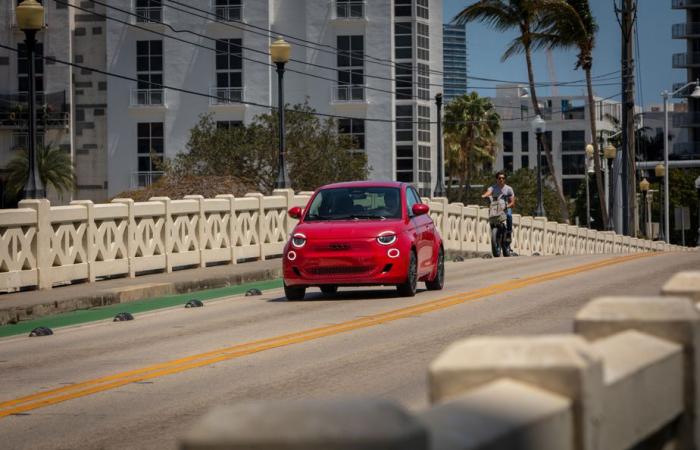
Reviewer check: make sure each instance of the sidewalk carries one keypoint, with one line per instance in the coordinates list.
(28, 305)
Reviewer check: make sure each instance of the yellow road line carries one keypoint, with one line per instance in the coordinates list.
(89, 387)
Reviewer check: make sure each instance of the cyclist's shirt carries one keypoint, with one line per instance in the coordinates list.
(507, 192)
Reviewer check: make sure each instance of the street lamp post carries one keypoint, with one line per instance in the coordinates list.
(589, 158)
(439, 186)
(30, 19)
(666, 95)
(610, 152)
(660, 172)
(279, 51)
(644, 187)
(539, 127)
(697, 187)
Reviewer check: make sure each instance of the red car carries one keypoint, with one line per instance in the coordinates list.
(360, 234)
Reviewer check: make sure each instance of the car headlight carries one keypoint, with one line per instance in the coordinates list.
(386, 238)
(298, 240)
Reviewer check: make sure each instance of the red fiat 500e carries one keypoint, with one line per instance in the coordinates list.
(360, 234)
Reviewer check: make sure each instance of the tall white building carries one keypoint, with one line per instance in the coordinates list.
(568, 132)
(381, 70)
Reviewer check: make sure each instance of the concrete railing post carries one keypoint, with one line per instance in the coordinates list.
(43, 240)
(563, 364)
(684, 284)
(231, 224)
(288, 194)
(362, 424)
(91, 249)
(261, 222)
(168, 225)
(674, 319)
(130, 234)
(201, 226)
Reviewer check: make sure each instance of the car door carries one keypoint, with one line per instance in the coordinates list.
(427, 239)
(419, 225)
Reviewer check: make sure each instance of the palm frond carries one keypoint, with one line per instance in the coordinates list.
(496, 13)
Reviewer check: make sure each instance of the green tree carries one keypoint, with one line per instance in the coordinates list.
(471, 124)
(572, 25)
(55, 170)
(316, 153)
(526, 17)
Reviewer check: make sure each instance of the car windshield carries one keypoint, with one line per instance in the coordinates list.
(373, 203)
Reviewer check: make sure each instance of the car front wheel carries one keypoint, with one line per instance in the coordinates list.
(408, 288)
(294, 292)
(438, 281)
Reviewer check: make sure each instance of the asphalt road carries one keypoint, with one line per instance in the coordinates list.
(97, 385)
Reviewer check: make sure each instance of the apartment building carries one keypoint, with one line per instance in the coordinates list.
(455, 61)
(71, 102)
(567, 132)
(690, 62)
(376, 57)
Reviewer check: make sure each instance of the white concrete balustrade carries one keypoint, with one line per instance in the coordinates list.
(43, 245)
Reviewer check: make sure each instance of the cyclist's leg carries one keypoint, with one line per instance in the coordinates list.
(509, 226)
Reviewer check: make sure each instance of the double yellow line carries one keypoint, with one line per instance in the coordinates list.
(62, 394)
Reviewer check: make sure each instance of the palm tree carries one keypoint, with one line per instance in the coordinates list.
(55, 170)
(526, 17)
(471, 124)
(571, 24)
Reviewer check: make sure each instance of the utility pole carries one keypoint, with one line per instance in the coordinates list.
(626, 15)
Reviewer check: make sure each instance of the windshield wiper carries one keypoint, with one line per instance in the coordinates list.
(367, 216)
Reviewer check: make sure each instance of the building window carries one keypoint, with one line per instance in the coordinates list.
(573, 141)
(228, 10)
(570, 187)
(507, 142)
(228, 124)
(404, 123)
(404, 163)
(423, 81)
(573, 109)
(403, 40)
(402, 8)
(573, 164)
(229, 71)
(149, 11)
(149, 65)
(350, 63)
(423, 123)
(422, 9)
(355, 128)
(524, 142)
(150, 146)
(349, 9)
(524, 112)
(23, 68)
(524, 161)
(423, 41)
(424, 164)
(508, 163)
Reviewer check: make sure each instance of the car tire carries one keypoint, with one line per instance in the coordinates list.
(294, 292)
(329, 290)
(438, 280)
(408, 288)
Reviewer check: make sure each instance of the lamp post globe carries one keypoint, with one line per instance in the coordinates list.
(30, 19)
(539, 126)
(279, 53)
(659, 170)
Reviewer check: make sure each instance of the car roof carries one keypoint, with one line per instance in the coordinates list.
(367, 183)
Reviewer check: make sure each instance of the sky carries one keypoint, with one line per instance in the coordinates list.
(655, 18)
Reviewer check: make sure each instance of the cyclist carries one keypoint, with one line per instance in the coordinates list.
(495, 190)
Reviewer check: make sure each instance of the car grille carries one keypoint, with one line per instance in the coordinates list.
(339, 270)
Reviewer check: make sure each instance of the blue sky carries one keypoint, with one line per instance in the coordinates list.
(655, 18)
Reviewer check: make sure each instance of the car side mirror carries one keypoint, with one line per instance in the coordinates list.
(420, 208)
(295, 212)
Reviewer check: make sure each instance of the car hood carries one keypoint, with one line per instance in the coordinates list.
(347, 229)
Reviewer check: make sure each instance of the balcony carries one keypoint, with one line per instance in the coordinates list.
(684, 60)
(228, 13)
(686, 120)
(52, 110)
(144, 179)
(685, 30)
(348, 93)
(683, 4)
(150, 14)
(225, 96)
(21, 140)
(349, 10)
(148, 97)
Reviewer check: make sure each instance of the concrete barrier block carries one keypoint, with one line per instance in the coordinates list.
(502, 414)
(684, 284)
(643, 387)
(564, 364)
(672, 318)
(369, 424)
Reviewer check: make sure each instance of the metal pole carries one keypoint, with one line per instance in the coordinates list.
(588, 202)
(649, 200)
(439, 186)
(539, 211)
(665, 95)
(661, 214)
(611, 196)
(698, 241)
(33, 187)
(282, 178)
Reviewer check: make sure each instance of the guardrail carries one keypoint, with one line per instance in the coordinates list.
(628, 378)
(43, 245)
